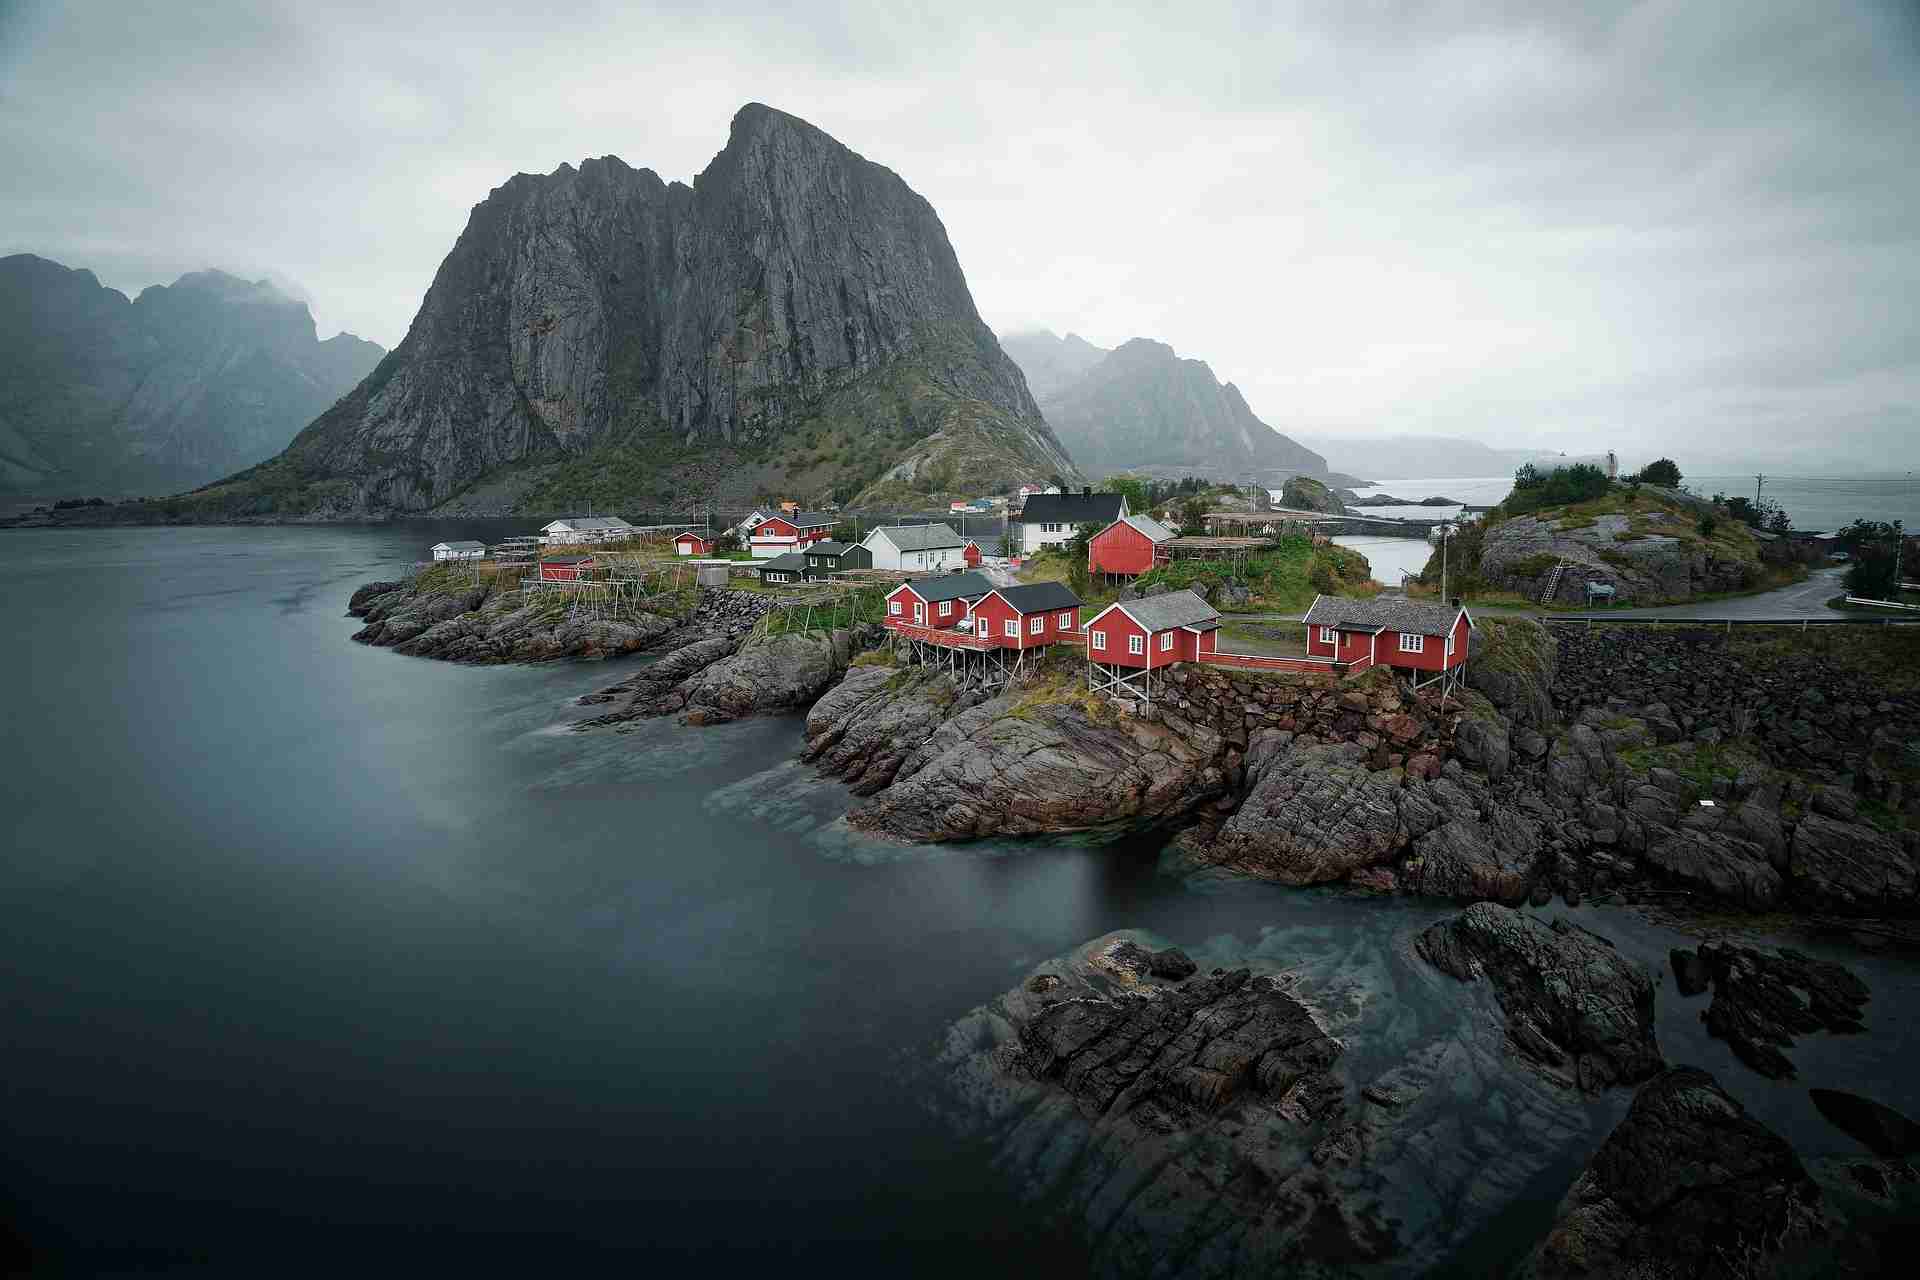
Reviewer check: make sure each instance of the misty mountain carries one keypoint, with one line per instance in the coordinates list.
(795, 322)
(1141, 407)
(1395, 457)
(186, 382)
(1051, 363)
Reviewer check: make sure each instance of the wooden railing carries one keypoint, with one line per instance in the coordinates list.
(941, 635)
(1266, 662)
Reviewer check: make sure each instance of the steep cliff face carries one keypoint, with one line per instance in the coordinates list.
(1141, 407)
(797, 306)
(184, 383)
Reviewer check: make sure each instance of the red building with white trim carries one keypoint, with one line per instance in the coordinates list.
(692, 544)
(1411, 635)
(1129, 547)
(1128, 641)
(791, 531)
(941, 603)
(971, 554)
(1029, 617)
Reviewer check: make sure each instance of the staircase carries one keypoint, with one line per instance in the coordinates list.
(1553, 582)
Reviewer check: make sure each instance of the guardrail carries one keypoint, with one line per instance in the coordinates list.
(1587, 620)
(1883, 604)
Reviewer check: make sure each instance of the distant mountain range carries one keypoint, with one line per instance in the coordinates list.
(1408, 457)
(1141, 407)
(794, 323)
(181, 385)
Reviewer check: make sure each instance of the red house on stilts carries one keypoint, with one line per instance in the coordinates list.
(1420, 639)
(1127, 642)
(1128, 547)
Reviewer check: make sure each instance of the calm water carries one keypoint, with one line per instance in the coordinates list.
(317, 954)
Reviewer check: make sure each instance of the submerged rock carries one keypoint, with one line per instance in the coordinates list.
(1688, 1185)
(1881, 1129)
(1761, 1002)
(1575, 1006)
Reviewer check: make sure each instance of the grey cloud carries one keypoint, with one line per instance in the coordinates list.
(1533, 223)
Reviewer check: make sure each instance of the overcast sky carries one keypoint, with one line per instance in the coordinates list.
(1688, 227)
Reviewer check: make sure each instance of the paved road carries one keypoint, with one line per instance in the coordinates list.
(1787, 604)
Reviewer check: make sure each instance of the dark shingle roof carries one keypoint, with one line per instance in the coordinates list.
(1391, 613)
(1040, 597)
(1174, 609)
(792, 562)
(953, 586)
(1072, 508)
(809, 519)
(830, 548)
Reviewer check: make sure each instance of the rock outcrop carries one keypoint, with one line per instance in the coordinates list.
(1651, 555)
(795, 296)
(1688, 1185)
(1201, 1108)
(185, 383)
(1761, 1002)
(1304, 493)
(1141, 406)
(1575, 1006)
(486, 622)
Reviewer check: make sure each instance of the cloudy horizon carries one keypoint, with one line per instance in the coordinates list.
(1657, 227)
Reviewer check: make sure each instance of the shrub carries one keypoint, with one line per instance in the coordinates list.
(1662, 471)
(1707, 525)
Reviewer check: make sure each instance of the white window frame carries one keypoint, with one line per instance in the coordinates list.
(1136, 645)
(893, 607)
(1099, 639)
(946, 608)
(1166, 642)
(919, 613)
(1065, 621)
(1411, 643)
(1036, 624)
(1011, 628)
(982, 628)
(1329, 636)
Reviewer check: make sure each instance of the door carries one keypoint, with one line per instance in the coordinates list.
(980, 627)
(919, 613)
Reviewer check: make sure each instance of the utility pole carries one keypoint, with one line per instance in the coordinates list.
(1758, 481)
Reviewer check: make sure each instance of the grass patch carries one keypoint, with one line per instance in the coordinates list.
(1701, 764)
(1888, 656)
(1286, 576)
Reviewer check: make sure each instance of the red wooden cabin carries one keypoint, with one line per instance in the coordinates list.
(971, 554)
(692, 544)
(791, 531)
(1156, 632)
(1410, 634)
(943, 602)
(1128, 547)
(1029, 617)
(565, 569)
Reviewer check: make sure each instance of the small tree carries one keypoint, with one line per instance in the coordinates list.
(1193, 516)
(1663, 472)
(1708, 523)
(1132, 488)
(1872, 544)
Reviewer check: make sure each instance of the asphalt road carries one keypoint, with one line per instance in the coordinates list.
(1787, 604)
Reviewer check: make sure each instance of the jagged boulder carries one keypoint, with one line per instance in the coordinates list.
(1761, 1002)
(1850, 867)
(1035, 761)
(1575, 1007)
(865, 727)
(1316, 813)
(1687, 1185)
(767, 673)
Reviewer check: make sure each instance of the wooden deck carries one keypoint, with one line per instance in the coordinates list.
(945, 637)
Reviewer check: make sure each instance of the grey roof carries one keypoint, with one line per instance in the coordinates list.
(831, 548)
(952, 586)
(809, 519)
(1391, 613)
(1040, 597)
(1072, 508)
(920, 537)
(465, 545)
(1174, 609)
(1154, 530)
(594, 522)
(791, 562)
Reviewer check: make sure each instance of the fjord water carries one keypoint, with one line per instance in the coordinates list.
(316, 953)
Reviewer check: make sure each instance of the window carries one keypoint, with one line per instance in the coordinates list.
(1036, 624)
(1166, 642)
(1065, 621)
(1410, 643)
(946, 608)
(893, 607)
(1012, 628)
(1327, 636)
(1136, 644)
(1449, 644)
(1099, 639)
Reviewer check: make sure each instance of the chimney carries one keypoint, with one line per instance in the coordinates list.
(1086, 491)
(1456, 602)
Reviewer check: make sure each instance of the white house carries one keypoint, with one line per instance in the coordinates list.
(459, 551)
(578, 529)
(1051, 518)
(916, 546)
